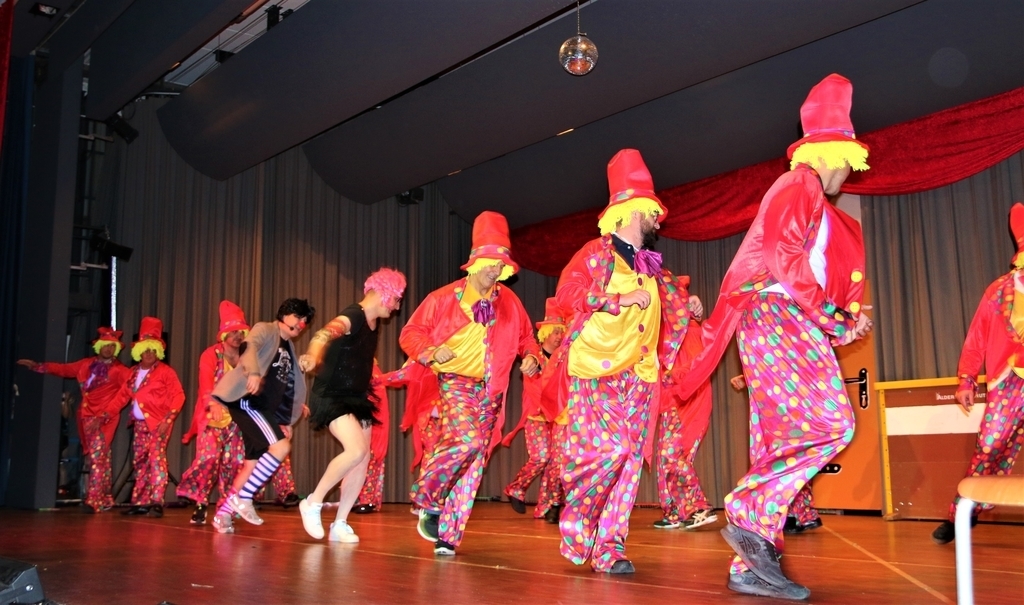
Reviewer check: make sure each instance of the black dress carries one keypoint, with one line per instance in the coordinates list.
(343, 384)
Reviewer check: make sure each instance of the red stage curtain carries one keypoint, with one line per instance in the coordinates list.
(6, 25)
(914, 156)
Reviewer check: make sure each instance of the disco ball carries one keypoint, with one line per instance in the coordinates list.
(578, 55)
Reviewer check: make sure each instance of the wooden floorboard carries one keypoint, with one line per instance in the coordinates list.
(505, 559)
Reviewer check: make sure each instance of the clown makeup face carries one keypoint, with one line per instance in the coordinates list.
(291, 326)
(485, 279)
(107, 351)
(649, 228)
(234, 339)
(554, 339)
(147, 359)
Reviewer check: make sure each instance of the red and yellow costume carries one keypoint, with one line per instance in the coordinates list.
(543, 424)
(99, 412)
(786, 316)
(372, 493)
(610, 370)
(996, 339)
(159, 397)
(473, 384)
(681, 427)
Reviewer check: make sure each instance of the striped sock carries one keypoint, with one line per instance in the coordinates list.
(223, 506)
(265, 468)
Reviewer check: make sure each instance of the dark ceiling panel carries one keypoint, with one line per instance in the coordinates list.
(145, 41)
(519, 94)
(902, 67)
(327, 62)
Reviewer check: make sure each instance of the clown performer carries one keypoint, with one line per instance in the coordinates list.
(539, 426)
(802, 514)
(343, 400)
(681, 428)
(422, 413)
(371, 496)
(99, 378)
(266, 380)
(628, 314)
(156, 398)
(791, 294)
(219, 449)
(469, 333)
(994, 339)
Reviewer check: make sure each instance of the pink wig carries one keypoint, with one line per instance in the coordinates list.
(389, 283)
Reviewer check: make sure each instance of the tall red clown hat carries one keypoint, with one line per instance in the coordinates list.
(554, 317)
(630, 188)
(491, 243)
(232, 319)
(828, 130)
(151, 332)
(107, 336)
(1017, 228)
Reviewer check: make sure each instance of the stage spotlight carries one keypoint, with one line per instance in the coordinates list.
(410, 197)
(108, 248)
(44, 10)
(122, 128)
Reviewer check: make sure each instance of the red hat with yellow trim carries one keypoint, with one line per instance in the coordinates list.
(491, 243)
(1017, 228)
(630, 188)
(232, 319)
(825, 118)
(107, 336)
(151, 332)
(554, 317)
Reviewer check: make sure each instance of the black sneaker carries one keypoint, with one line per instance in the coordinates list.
(517, 505)
(363, 509)
(758, 554)
(554, 514)
(944, 533)
(795, 527)
(444, 549)
(199, 516)
(290, 501)
(622, 566)
(427, 526)
(156, 511)
(748, 583)
(136, 510)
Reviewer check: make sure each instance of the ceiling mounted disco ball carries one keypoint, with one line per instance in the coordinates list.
(578, 55)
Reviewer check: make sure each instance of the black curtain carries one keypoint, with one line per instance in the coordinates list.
(14, 156)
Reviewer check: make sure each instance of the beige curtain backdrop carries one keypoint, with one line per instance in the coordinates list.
(277, 231)
(930, 257)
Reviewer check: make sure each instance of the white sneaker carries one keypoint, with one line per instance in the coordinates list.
(700, 519)
(343, 532)
(222, 523)
(245, 509)
(310, 513)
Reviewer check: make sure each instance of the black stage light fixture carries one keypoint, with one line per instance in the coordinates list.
(273, 16)
(44, 10)
(222, 55)
(108, 248)
(122, 128)
(410, 197)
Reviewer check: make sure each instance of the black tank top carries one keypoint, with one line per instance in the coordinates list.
(348, 362)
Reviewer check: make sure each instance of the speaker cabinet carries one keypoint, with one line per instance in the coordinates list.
(19, 583)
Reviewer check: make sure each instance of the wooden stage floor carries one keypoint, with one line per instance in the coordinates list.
(505, 558)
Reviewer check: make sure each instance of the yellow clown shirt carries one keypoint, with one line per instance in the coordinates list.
(609, 344)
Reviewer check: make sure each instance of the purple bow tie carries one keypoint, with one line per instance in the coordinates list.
(483, 311)
(99, 371)
(648, 262)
